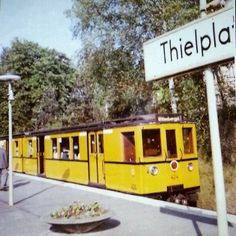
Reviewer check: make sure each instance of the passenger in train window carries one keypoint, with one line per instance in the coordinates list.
(75, 156)
(55, 156)
(54, 148)
(17, 148)
(76, 147)
(30, 148)
(64, 154)
(76, 151)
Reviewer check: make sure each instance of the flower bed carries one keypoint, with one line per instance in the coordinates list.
(78, 211)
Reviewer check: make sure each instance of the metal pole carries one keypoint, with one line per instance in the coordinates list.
(216, 155)
(215, 146)
(10, 98)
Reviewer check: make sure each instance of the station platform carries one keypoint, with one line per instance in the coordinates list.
(35, 197)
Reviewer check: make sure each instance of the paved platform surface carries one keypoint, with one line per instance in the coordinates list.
(35, 197)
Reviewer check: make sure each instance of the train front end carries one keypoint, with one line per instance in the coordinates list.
(169, 151)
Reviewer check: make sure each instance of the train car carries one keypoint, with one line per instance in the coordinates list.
(66, 156)
(154, 155)
(25, 154)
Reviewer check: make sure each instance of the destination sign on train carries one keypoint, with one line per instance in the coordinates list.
(204, 41)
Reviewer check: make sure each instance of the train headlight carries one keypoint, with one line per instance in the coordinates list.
(174, 165)
(190, 166)
(153, 170)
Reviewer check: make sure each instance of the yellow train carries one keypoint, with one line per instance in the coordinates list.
(144, 155)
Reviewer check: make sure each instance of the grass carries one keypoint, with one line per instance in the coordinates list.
(207, 194)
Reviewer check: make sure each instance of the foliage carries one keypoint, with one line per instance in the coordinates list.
(127, 24)
(161, 97)
(105, 89)
(113, 33)
(226, 110)
(192, 103)
(41, 96)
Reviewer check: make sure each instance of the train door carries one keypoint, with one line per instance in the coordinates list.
(40, 154)
(96, 158)
(100, 159)
(173, 142)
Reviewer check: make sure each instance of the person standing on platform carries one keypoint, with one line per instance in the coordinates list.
(3, 169)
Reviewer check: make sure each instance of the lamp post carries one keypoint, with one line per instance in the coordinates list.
(10, 78)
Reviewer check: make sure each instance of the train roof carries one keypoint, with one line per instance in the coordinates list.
(122, 122)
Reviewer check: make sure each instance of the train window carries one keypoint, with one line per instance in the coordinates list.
(16, 148)
(76, 151)
(30, 148)
(64, 148)
(188, 140)
(92, 144)
(129, 146)
(151, 142)
(171, 143)
(100, 143)
(54, 148)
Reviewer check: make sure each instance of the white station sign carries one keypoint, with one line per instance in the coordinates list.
(199, 43)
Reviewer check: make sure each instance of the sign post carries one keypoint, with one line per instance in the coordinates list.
(215, 146)
(197, 45)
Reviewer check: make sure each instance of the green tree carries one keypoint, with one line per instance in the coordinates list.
(226, 109)
(113, 33)
(42, 95)
(126, 24)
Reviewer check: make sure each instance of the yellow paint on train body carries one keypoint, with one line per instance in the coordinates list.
(70, 171)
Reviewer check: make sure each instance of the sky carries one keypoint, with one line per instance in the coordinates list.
(40, 21)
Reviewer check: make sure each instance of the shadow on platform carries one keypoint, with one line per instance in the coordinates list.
(191, 215)
(19, 183)
(35, 194)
